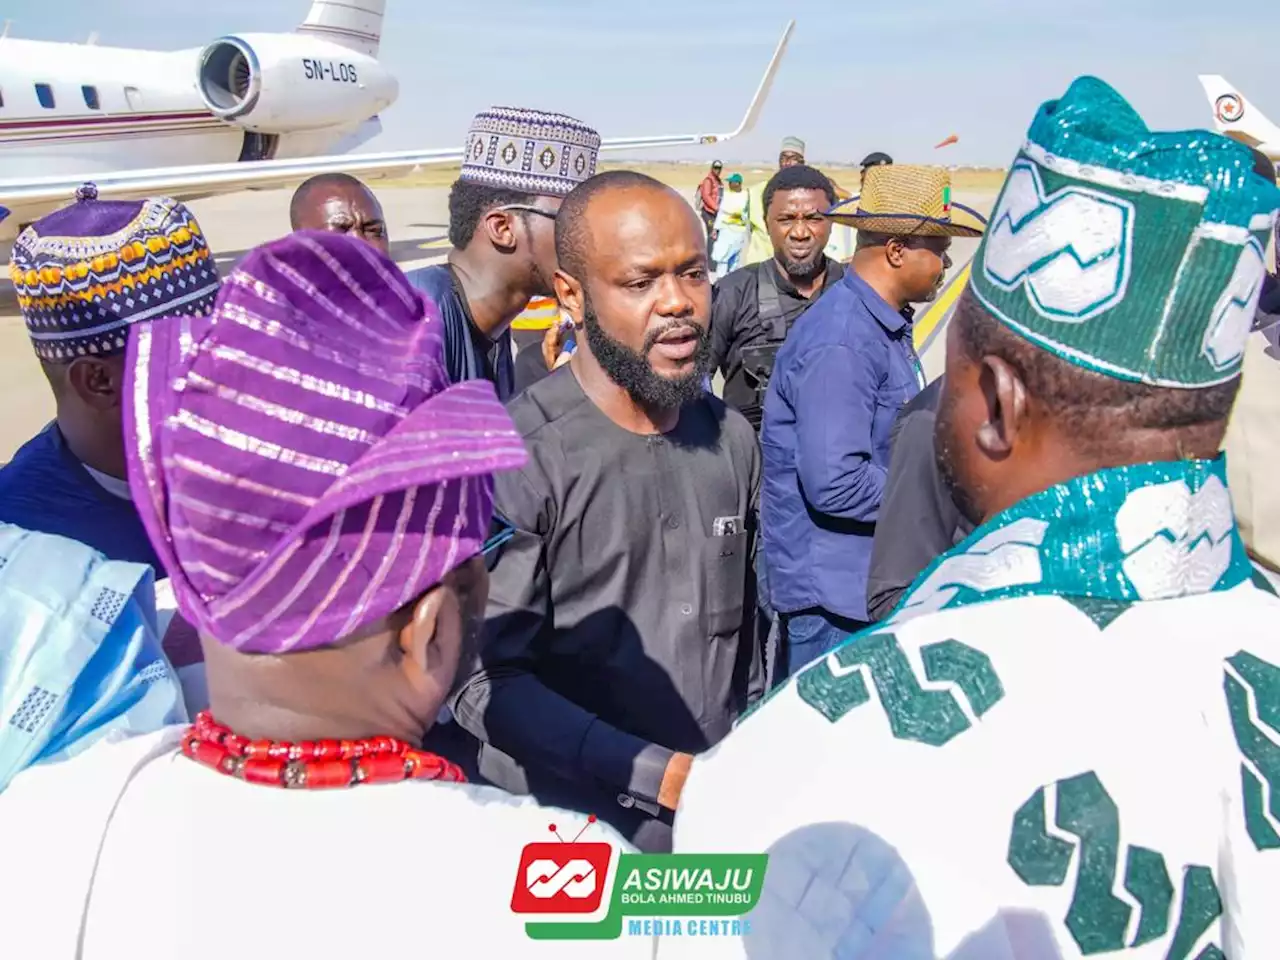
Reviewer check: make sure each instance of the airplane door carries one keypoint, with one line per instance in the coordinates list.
(259, 146)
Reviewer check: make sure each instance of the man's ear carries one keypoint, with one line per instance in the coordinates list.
(499, 227)
(418, 638)
(97, 381)
(1005, 396)
(895, 252)
(571, 296)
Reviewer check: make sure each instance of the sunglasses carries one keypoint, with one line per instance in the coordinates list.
(499, 533)
(525, 208)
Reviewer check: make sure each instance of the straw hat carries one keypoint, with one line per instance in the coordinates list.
(903, 200)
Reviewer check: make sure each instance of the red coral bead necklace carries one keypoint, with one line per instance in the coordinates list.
(312, 764)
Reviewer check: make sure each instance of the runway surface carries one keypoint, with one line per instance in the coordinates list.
(417, 220)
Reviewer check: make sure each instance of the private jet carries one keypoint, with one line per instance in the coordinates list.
(248, 110)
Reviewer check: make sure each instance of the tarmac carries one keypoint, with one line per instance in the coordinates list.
(417, 222)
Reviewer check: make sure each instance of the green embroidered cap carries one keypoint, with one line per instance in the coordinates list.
(1136, 254)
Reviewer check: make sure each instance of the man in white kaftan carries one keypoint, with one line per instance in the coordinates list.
(1066, 740)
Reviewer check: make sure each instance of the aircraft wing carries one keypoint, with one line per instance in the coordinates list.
(194, 181)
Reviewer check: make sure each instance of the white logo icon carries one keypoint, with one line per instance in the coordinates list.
(1234, 312)
(1072, 251)
(546, 878)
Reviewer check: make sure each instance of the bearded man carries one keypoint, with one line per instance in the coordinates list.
(619, 629)
(1064, 741)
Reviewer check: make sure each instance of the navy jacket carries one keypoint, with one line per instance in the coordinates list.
(467, 354)
(45, 489)
(845, 371)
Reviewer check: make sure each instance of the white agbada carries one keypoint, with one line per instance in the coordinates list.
(132, 850)
(1065, 742)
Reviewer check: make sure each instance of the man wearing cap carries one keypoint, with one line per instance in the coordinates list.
(760, 246)
(876, 158)
(1064, 742)
(518, 167)
(324, 531)
(709, 191)
(839, 381)
(83, 276)
(619, 637)
(731, 227)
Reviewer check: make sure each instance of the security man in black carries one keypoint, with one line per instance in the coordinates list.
(754, 307)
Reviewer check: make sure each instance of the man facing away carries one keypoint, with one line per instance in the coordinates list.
(1063, 742)
(518, 167)
(619, 637)
(324, 532)
(754, 307)
(339, 203)
(83, 275)
(838, 384)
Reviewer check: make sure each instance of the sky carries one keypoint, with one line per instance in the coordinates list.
(860, 75)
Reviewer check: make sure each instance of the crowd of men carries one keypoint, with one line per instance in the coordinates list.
(317, 610)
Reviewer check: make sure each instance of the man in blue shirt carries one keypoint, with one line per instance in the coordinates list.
(518, 166)
(840, 379)
(82, 276)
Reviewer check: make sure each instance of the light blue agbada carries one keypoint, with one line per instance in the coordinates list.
(80, 655)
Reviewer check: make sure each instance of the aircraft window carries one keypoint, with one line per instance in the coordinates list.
(91, 98)
(44, 93)
(1, 99)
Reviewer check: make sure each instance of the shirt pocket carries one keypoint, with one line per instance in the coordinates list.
(725, 572)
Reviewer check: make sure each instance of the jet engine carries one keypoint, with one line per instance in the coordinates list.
(284, 83)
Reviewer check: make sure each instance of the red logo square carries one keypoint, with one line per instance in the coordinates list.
(561, 878)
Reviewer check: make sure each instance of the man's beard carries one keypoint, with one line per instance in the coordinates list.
(802, 270)
(633, 372)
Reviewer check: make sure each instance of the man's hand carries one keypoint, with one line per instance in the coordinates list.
(673, 780)
(551, 342)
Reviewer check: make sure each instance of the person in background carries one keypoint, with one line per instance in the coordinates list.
(336, 586)
(839, 381)
(1253, 442)
(339, 203)
(83, 275)
(518, 167)
(759, 247)
(81, 661)
(1091, 681)
(619, 636)
(731, 228)
(753, 308)
(919, 520)
(709, 191)
(873, 159)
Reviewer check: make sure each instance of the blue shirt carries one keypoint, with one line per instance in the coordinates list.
(844, 372)
(45, 489)
(468, 355)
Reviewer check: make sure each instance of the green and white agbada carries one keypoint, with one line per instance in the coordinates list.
(1066, 740)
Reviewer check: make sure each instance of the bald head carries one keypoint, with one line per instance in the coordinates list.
(573, 229)
(339, 203)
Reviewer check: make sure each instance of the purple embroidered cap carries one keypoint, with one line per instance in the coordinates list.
(300, 462)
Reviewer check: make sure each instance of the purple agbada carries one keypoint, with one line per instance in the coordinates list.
(297, 460)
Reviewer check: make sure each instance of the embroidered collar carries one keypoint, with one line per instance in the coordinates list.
(1152, 531)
